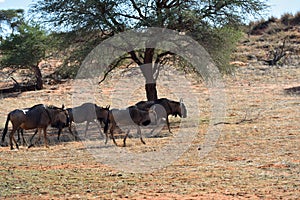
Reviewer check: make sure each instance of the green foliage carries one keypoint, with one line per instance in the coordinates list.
(25, 48)
(210, 22)
(12, 18)
(73, 47)
(224, 42)
(220, 43)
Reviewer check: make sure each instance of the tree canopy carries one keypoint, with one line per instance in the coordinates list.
(12, 18)
(120, 15)
(211, 22)
(25, 49)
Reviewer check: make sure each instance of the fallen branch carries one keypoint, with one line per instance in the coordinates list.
(15, 81)
(244, 120)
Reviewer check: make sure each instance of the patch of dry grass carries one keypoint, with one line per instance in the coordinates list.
(258, 159)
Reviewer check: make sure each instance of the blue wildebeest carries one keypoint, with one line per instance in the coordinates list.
(88, 112)
(165, 108)
(131, 116)
(39, 116)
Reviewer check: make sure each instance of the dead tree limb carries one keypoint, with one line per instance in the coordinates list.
(277, 54)
(244, 120)
(15, 81)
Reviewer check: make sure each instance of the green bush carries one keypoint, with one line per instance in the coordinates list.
(220, 43)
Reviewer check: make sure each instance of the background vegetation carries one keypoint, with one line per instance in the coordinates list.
(78, 26)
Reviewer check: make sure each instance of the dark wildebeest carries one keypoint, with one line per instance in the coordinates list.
(56, 124)
(88, 112)
(20, 131)
(131, 116)
(39, 116)
(165, 108)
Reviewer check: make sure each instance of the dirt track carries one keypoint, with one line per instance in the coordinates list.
(256, 157)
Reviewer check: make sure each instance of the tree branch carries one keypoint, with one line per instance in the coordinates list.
(135, 58)
(137, 8)
(160, 56)
(112, 67)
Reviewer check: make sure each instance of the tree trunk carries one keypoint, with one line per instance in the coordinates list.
(38, 76)
(151, 91)
(147, 70)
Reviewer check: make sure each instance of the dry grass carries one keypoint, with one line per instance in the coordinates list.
(252, 160)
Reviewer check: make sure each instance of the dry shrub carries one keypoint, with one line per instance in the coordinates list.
(261, 26)
(289, 19)
(296, 20)
(286, 19)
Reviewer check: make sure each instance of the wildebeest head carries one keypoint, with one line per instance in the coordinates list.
(102, 113)
(178, 108)
(61, 117)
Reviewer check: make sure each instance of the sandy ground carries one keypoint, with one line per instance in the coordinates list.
(256, 155)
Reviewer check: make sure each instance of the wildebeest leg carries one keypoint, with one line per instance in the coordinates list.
(20, 130)
(111, 129)
(140, 133)
(113, 137)
(75, 131)
(70, 129)
(105, 132)
(45, 137)
(168, 124)
(59, 132)
(151, 132)
(126, 135)
(86, 128)
(35, 132)
(19, 138)
(73, 134)
(99, 127)
(106, 137)
(12, 139)
(22, 135)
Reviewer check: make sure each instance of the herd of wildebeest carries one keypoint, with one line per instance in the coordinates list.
(40, 116)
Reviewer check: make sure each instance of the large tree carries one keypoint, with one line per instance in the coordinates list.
(24, 49)
(194, 17)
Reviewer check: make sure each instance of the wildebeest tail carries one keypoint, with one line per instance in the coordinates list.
(5, 128)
